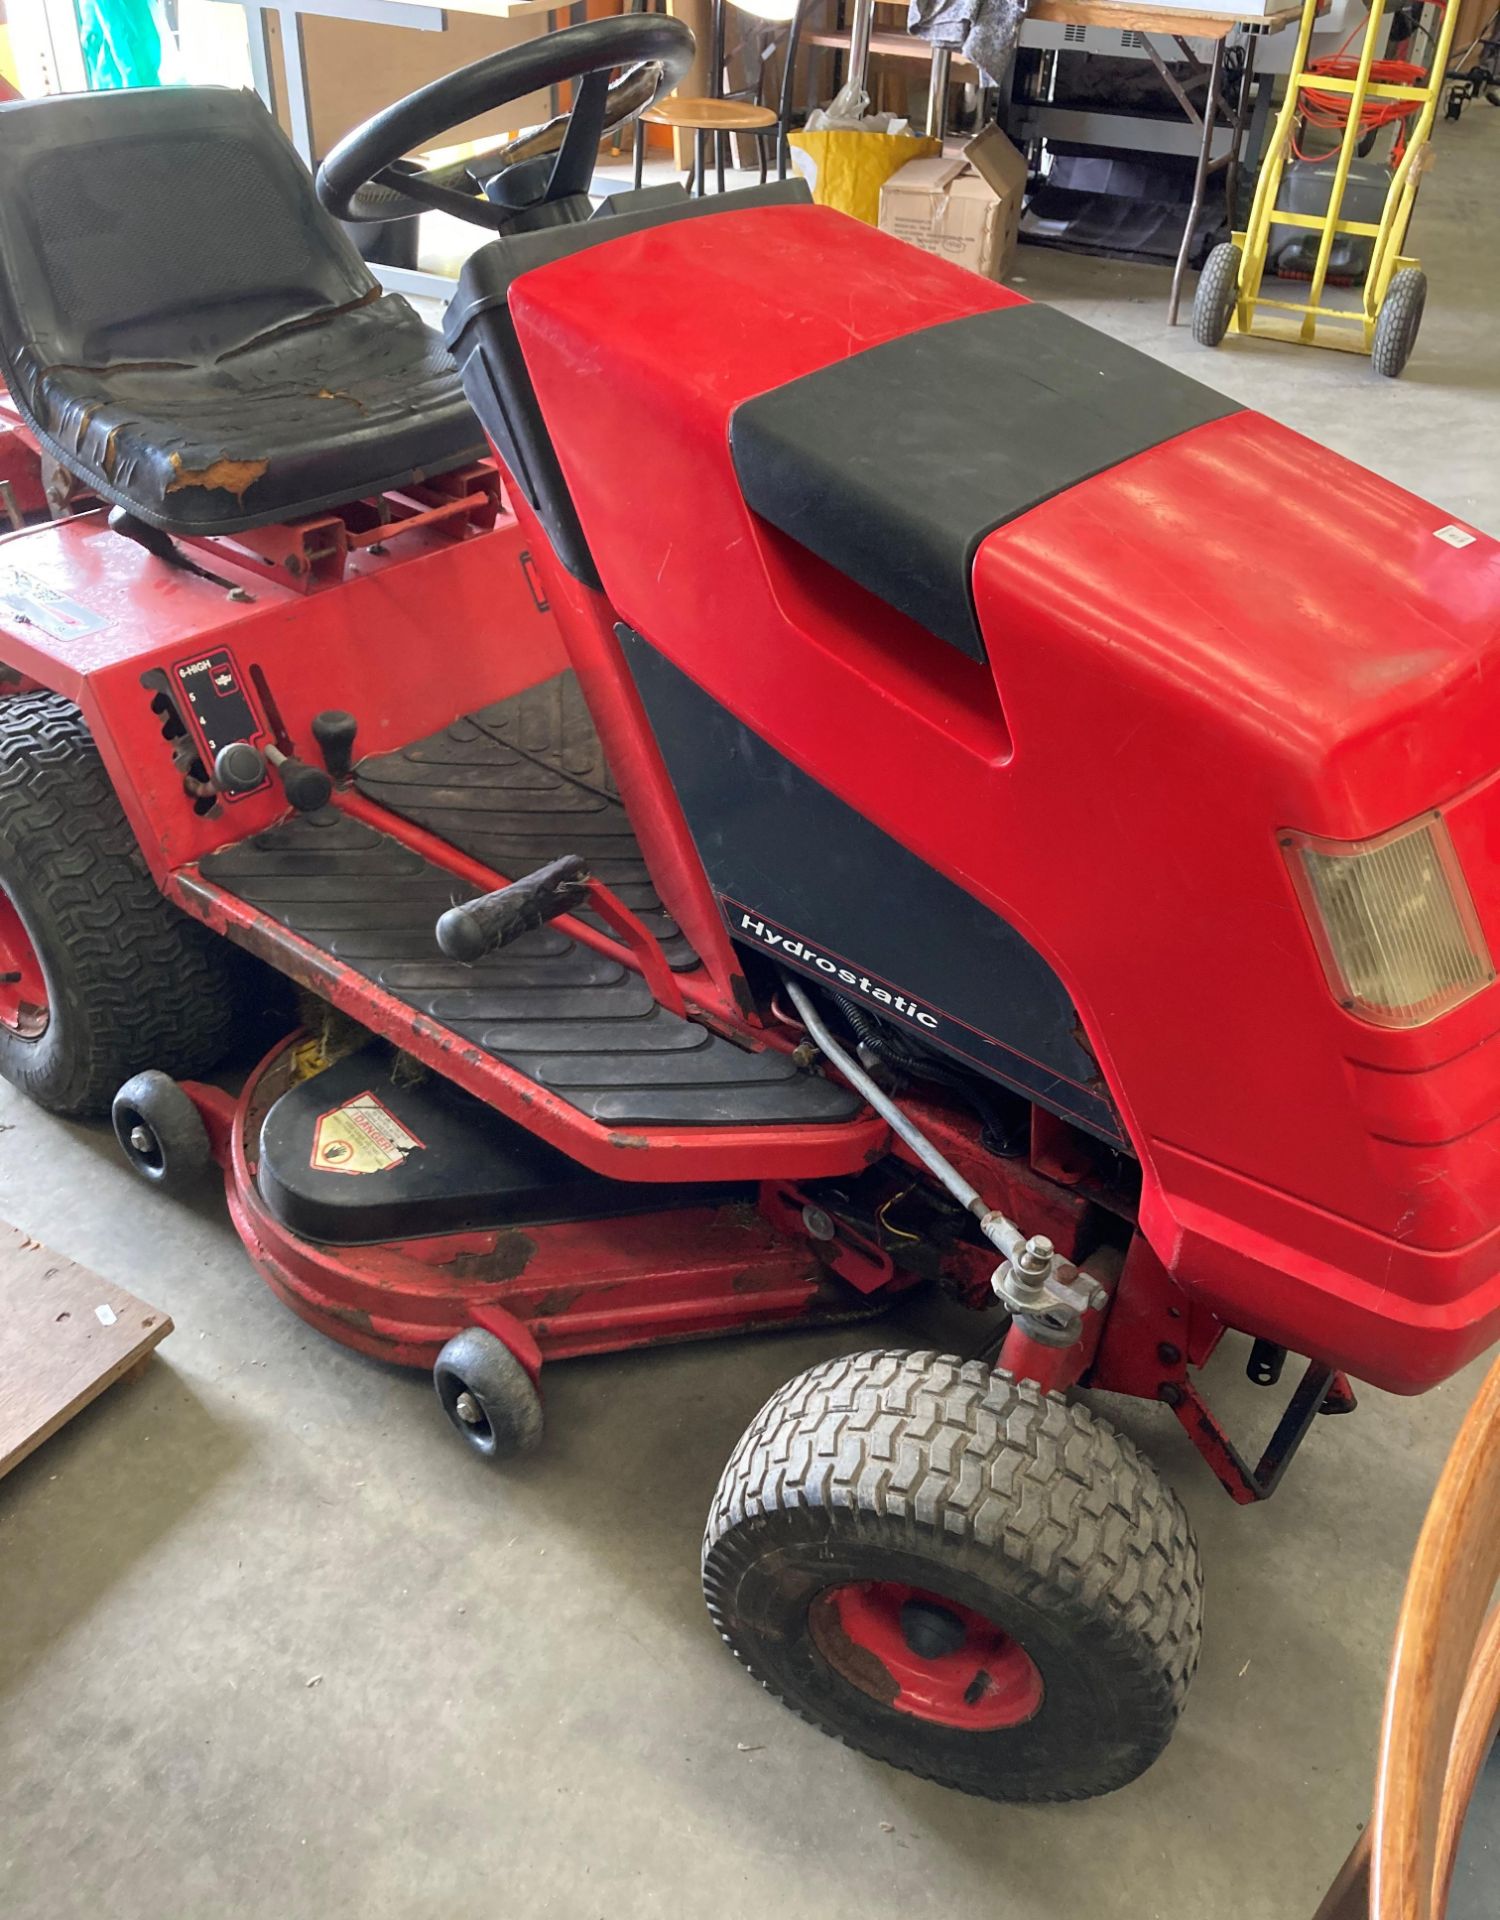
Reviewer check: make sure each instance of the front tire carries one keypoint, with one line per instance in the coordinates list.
(112, 977)
(957, 1573)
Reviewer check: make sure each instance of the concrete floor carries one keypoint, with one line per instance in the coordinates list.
(271, 1646)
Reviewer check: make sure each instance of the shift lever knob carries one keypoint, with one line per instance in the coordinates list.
(307, 788)
(334, 732)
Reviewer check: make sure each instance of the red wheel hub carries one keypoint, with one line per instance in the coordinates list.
(925, 1655)
(23, 985)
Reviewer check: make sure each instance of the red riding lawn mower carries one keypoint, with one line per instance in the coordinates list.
(819, 807)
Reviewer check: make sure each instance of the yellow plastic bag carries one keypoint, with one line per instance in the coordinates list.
(846, 168)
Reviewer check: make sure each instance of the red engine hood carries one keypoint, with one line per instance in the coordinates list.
(1342, 630)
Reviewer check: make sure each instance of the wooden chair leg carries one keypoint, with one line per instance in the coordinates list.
(720, 141)
(1349, 1896)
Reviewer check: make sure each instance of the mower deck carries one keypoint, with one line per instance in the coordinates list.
(521, 782)
(442, 1161)
(573, 1270)
(571, 1020)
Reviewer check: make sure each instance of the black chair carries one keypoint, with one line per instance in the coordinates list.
(722, 113)
(186, 329)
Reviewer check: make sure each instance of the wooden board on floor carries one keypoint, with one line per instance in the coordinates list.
(65, 1335)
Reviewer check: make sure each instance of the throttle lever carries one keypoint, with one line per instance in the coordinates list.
(477, 927)
(306, 788)
(240, 767)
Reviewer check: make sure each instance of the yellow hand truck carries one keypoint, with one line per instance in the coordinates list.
(1359, 94)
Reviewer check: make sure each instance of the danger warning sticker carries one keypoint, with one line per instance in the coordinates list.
(362, 1136)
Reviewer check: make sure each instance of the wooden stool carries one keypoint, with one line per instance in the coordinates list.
(703, 117)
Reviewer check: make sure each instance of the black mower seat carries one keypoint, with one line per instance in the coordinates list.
(189, 332)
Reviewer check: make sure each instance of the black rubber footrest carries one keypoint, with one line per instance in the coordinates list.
(577, 1022)
(518, 784)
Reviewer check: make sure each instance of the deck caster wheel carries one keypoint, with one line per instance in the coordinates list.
(1397, 322)
(161, 1133)
(957, 1573)
(1218, 289)
(488, 1395)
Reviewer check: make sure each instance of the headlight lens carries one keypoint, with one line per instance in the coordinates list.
(1393, 920)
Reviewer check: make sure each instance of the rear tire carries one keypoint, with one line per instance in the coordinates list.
(129, 981)
(1000, 1518)
(1218, 288)
(1398, 322)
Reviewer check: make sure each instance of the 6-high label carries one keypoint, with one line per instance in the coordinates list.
(790, 946)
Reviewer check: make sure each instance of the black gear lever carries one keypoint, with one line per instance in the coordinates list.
(334, 731)
(474, 928)
(306, 788)
(240, 767)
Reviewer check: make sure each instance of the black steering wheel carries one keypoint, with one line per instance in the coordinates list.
(366, 178)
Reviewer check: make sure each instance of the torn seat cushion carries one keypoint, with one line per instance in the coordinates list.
(322, 414)
(189, 332)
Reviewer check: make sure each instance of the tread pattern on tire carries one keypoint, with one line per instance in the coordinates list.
(160, 992)
(1398, 322)
(953, 1445)
(1212, 298)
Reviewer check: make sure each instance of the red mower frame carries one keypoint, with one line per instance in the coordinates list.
(285, 611)
(285, 605)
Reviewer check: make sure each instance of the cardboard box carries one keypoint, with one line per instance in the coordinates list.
(964, 206)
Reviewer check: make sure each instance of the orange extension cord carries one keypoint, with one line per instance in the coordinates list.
(1331, 110)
